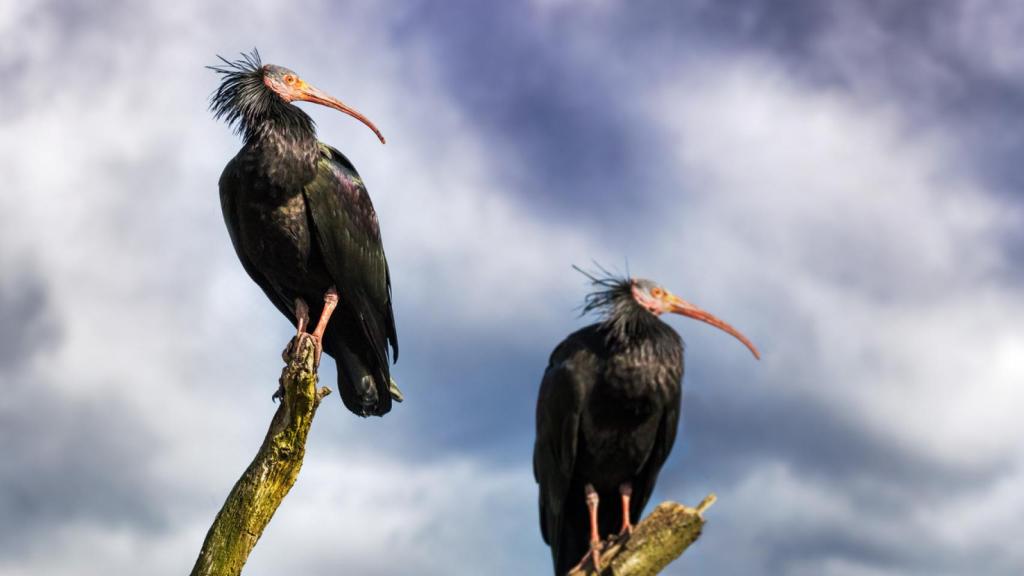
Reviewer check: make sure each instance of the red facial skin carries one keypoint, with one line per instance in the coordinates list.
(660, 301)
(292, 88)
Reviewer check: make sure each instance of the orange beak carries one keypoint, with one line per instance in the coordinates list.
(308, 93)
(679, 306)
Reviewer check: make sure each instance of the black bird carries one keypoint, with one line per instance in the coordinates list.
(607, 415)
(304, 228)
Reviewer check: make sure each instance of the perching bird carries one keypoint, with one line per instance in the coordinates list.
(304, 228)
(607, 415)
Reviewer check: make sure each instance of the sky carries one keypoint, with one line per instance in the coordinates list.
(840, 180)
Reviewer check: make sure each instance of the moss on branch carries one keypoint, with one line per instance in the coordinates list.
(267, 480)
(655, 542)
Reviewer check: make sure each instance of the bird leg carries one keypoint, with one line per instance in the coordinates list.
(626, 490)
(302, 322)
(301, 316)
(330, 303)
(595, 537)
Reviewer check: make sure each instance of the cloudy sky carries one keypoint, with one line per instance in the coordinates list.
(841, 180)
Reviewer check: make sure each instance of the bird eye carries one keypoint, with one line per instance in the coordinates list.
(657, 292)
(289, 79)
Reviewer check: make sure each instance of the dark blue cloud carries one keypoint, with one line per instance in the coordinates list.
(27, 323)
(908, 57)
(469, 394)
(562, 119)
(571, 147)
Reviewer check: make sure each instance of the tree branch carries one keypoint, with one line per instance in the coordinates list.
(267, 480)
(656, 541)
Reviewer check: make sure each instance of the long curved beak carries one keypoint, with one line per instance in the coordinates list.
(310, 93)
(679, 306)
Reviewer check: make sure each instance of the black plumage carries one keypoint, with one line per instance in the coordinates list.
(607, 414)
(304, 227)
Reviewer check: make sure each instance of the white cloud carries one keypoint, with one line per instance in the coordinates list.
(111, 164)
(843, 220)
(877, 263)
(375, 516)
(852, 247)
(370, 515)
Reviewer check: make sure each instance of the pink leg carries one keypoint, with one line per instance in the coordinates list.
(595, 537)
(301, 316)
(330, 303)
(626, 490)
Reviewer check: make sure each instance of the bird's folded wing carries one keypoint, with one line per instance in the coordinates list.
(230, 187)
(348, 236)
(559, 407)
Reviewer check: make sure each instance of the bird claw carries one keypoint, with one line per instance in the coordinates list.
(593, 556)
(624, 534)
(288, 354)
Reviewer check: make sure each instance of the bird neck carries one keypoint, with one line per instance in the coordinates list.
(629, 325)
(286, 145)
(280, 121)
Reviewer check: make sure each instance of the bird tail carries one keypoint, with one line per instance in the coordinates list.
(365, 390)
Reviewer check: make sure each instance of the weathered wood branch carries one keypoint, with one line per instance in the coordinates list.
(267, 480)
(655, 542)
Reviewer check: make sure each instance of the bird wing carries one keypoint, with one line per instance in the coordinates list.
(348, 236)
(643, 483)
(229, 184)
(559, 408)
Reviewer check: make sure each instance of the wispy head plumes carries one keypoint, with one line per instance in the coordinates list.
(241, 94)
(245, 102)
(624, 321)
(609, 290)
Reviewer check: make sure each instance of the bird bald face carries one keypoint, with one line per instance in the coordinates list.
(657, 300)
(290, 87)
(283, 81)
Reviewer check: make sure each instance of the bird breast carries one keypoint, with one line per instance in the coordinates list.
(276, 234)
(617, 443)
(624, 410)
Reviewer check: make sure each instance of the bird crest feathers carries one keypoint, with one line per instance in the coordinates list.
(609, 289)
(241, 96)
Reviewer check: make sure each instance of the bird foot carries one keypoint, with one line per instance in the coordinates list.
(593, 558)
(293, 346)
(279, 394)
(624, 534)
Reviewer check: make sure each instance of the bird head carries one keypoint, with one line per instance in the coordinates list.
(623, 297)
(657, 300)
(251, 91)
(290, 87)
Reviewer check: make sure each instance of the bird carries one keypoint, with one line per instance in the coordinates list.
(607, 415)
(303, 225)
